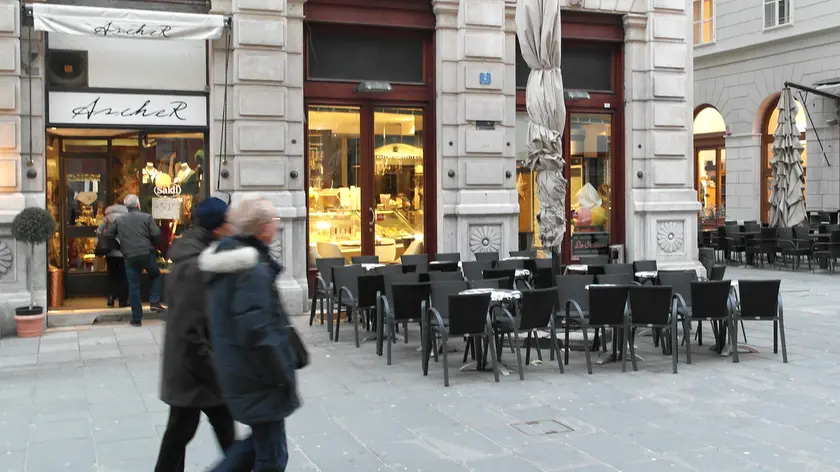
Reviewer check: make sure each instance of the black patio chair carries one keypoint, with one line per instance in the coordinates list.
(652, 307)
(371, 286)
(594, 260)
(508, 274)
(444, 266)
(615, 279)
(406, 303)
(439, 298)
(443, 276)
(365, 259)
(322, 290)
(530, 253)
(607, 309)
(826, 253)
(762, 246)
(760, 300)
(680, 281)
(468, 317)
(790, 246)
(543, 277)
(535, 312)
(473, 269)
(502, 283)
(389, 269)
(571, 288)
(721, 245)
(346, 280)
(487, 256)
(709, 301)
(419, 261)
(736, 242)
(447, 257)
(718, 272)
(619, 269)
(511, 264)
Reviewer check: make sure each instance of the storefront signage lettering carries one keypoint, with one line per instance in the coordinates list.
(123, 31)
(172, 191)
(83, 108)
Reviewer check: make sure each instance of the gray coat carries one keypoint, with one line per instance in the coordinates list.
(188, 377)
(137, 232)
(111, 214)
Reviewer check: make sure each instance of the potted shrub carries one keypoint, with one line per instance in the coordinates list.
(32, 226)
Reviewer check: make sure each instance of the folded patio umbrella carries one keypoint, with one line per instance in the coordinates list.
(787, 201)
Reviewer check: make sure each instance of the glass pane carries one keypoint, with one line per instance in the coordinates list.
(521, 137)
(698, 33)
(769, 15)
(398, 179)
(590, 183)
(334, 193)
(697, 11)
(586, 68)
(708, 9)
(340, 55)
(708, 31)
(722, 183)
(80, 257)
(522, 69)
(707, 185)
(84, 145)
(86, 184)
(54, 199)
(783, 12)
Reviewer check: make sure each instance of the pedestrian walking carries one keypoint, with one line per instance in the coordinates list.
(188, 383)
(255, 358)
(138, 235)
(114, 262)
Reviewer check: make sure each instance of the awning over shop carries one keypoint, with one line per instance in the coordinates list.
(123, 23)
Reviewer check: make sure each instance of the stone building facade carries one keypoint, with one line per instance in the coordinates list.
(256, 142)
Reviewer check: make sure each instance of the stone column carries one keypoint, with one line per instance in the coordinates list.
(476, 70)
(265, 119)
(662, 208)
(21, 139)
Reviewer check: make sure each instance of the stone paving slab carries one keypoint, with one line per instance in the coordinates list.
(86, 400)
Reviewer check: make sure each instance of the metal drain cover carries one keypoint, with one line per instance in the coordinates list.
(542, 428)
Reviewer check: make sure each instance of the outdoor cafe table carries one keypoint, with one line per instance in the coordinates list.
(577, 268)
(498, 297)
(722, 345)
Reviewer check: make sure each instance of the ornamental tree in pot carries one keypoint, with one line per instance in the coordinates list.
(32, 226)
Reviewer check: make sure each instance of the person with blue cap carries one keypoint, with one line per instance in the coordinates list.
(189, 384)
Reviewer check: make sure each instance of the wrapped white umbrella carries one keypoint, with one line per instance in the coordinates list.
(787, 202)
(538, 30)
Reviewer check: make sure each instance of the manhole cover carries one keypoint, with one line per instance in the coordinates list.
(542, 428)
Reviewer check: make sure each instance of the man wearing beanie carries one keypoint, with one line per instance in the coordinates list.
(188, 383)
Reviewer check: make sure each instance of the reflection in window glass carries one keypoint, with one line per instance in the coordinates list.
(590, 183)
(85, 190)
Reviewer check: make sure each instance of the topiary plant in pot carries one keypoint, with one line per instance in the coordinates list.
(32, 226)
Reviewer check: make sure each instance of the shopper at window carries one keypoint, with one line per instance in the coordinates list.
(138, 236)
(254, 358)
(188, 383)
(117, 285)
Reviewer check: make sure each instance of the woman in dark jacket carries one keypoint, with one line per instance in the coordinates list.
(189, 384)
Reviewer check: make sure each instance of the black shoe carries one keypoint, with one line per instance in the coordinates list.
(124, 304)
(136, 324)
(157, 307)
(111, 302)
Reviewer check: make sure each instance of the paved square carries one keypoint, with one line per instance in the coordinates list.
(87, 400)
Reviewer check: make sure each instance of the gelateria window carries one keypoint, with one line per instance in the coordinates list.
(770, 124)
(590, 183)
(90, 170)
(710, 166)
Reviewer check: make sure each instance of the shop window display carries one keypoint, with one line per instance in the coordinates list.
(710, 166)
(590, 183)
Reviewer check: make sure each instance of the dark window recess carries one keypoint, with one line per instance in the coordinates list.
(351, 57)
(583, 68)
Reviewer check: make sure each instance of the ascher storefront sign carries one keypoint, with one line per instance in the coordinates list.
(114, 109)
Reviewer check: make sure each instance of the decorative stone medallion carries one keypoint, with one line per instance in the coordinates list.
(276, 247)
(670, 236)
(6, 258)
(485, 238)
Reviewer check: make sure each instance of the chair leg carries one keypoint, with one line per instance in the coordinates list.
(555, 345)
(675, 347)
(537, 346)
(356, 315)
(510, 342)
(566, 343)
(427, 347)
(528, 349)
(744, 332)
(586, 349)
(687, 326)
(699, 334)
(733, 335)
(312, 309)
(782, 338)
(405, 333)
(633, 349)
(338, 322)
(519, 356)
(626, 330)
(389, 337)
(330, 316)
(445, 360)
(775, 336)
(492, 346)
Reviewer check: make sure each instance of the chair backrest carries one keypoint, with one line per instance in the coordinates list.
(449, 257)
(348, 277)
(370, 285)
(802, 234)
(786, 234)
(614, 279)
(530, 253)
(325, 265)
(468, 313)
(511, 264)
(644, 266)
(710, 299)
(391, 279)
(541, 263)
(442, 276)
(730, 223)
(543, 277)
(328, 251)
(507, 274)
(573, 287)
(487, 256)
(502, 283)
(752, 226)
(419, 261)
(440, 292)
(473, 269)
(759, 298)
(365, 259)
(619, 269)
(537, 308)
(680, 280)
(386, 253)
(390, 269)
(769, 238)
(444, 266)
(651, 304)
(718, 272)
(407, 300)
(607, 305)
(595, 260)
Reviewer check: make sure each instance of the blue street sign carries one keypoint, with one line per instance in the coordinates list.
(484, 78)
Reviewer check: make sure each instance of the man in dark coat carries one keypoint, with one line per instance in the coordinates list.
(255, 361)
(189, 384)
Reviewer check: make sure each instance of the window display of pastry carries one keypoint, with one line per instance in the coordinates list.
(590, 214)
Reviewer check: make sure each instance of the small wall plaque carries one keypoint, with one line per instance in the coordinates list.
(485, 125)
(485, 78)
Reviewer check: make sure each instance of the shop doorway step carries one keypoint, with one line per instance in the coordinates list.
(64, 317)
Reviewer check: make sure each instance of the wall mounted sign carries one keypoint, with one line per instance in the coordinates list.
(126, 23)
(171, 191)
(114, 109)
(167, 208)
(484, 78)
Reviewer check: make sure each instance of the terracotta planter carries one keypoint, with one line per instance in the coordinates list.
(30, 322)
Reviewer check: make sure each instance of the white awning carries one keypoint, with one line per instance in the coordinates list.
(120, 23)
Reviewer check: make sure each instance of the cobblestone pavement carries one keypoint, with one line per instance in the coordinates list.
(86, 400)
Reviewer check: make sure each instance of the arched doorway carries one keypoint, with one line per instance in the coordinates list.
(710, 165)
(768, 128)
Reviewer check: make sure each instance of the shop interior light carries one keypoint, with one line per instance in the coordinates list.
(373, 87)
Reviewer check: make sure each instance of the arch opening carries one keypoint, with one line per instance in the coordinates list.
(710, 165)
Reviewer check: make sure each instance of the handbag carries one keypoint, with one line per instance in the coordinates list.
(104, 246)
(300, 350)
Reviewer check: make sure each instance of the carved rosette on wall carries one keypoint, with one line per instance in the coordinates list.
(485, 238)
(670, 236)
(6, 259)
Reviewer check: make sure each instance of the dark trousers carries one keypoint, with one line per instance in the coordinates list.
(265, 450)
(117, 283)
(181, 428)
(134, 267)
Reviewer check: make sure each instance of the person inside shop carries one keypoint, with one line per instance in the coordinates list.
(188, 383)
(138, 236)
(117, 284)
